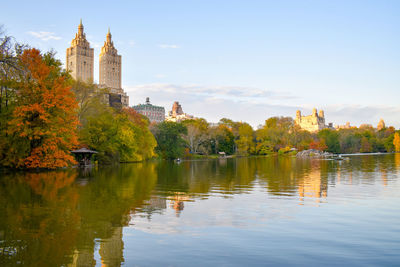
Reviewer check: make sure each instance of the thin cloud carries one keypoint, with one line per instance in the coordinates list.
(254, 105)
(160, 76)
(234, 93)
(132, 43)
(167, 46)
(45, 36)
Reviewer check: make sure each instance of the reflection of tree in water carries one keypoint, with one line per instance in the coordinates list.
(38, 217)
(48, 219)
(106, 204)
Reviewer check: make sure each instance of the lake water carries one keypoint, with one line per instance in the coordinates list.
(226, 212)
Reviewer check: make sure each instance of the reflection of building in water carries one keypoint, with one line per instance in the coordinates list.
(83, 258)
(313, 186)
(177, 202)
(154, 205)
(384, 177)
(111, 249)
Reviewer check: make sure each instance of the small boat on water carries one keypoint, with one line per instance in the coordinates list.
(339, 157)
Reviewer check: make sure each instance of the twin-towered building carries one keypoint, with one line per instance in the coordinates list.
(312, 123)
(80, 61)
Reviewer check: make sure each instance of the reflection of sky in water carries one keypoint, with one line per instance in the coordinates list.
(336, 221)
(247, 211)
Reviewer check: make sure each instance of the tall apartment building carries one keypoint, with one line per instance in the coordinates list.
(80, 57)
(110, 70)
(79, 62)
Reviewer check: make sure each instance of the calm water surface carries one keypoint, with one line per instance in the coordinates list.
(227, 212)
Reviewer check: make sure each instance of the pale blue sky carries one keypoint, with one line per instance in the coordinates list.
(246, 60)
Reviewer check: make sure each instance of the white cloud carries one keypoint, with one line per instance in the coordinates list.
(253, 105)
(165, 46)
(160, 76)
(132, 43)
(44, 36)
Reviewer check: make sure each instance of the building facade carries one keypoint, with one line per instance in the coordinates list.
(177, 114)
(110, 71)
(312, 123)
(381, 125)
(154, 113)
(80, 57)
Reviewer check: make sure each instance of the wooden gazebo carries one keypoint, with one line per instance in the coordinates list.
(84, 156)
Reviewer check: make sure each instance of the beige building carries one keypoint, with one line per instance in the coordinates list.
(312, 123)
(381, 125)
(110, 70)
(177, 114)
(346, 126)
(80, 57)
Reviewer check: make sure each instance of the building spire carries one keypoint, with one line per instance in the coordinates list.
(109, 36)
(80, 28)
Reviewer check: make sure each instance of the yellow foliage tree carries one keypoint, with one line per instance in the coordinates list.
(396, 142)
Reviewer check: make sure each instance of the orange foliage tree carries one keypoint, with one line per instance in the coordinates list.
(319, 145)
(396, 142)
(44, 119)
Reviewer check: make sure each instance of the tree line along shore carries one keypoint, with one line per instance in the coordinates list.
(45, 114)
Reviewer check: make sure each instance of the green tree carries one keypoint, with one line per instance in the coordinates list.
(118, 136)
(170, 144)
(331, 138)
(365, 145)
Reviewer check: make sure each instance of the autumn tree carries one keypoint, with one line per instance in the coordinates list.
(91, 99)
(245, 144)
(42, 127)
(118, 136)
(396, 142)
(197, 135)
(10, 72)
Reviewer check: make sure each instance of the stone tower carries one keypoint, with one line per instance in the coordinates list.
(110, 65)
(80, 57)
(381, 125)
(110, 71)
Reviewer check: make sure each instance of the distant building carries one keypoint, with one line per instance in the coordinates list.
(312, 123)
(346, 126)
(381, 125)
(154, 113)
(177, 114)
(80, 57)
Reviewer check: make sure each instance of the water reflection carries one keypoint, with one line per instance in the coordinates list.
(62, 218)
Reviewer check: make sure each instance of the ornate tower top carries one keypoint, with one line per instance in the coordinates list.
(314, 112)
(80, 57)
(80, 37)
(381, 125)
(321, 113)
(108, 46)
